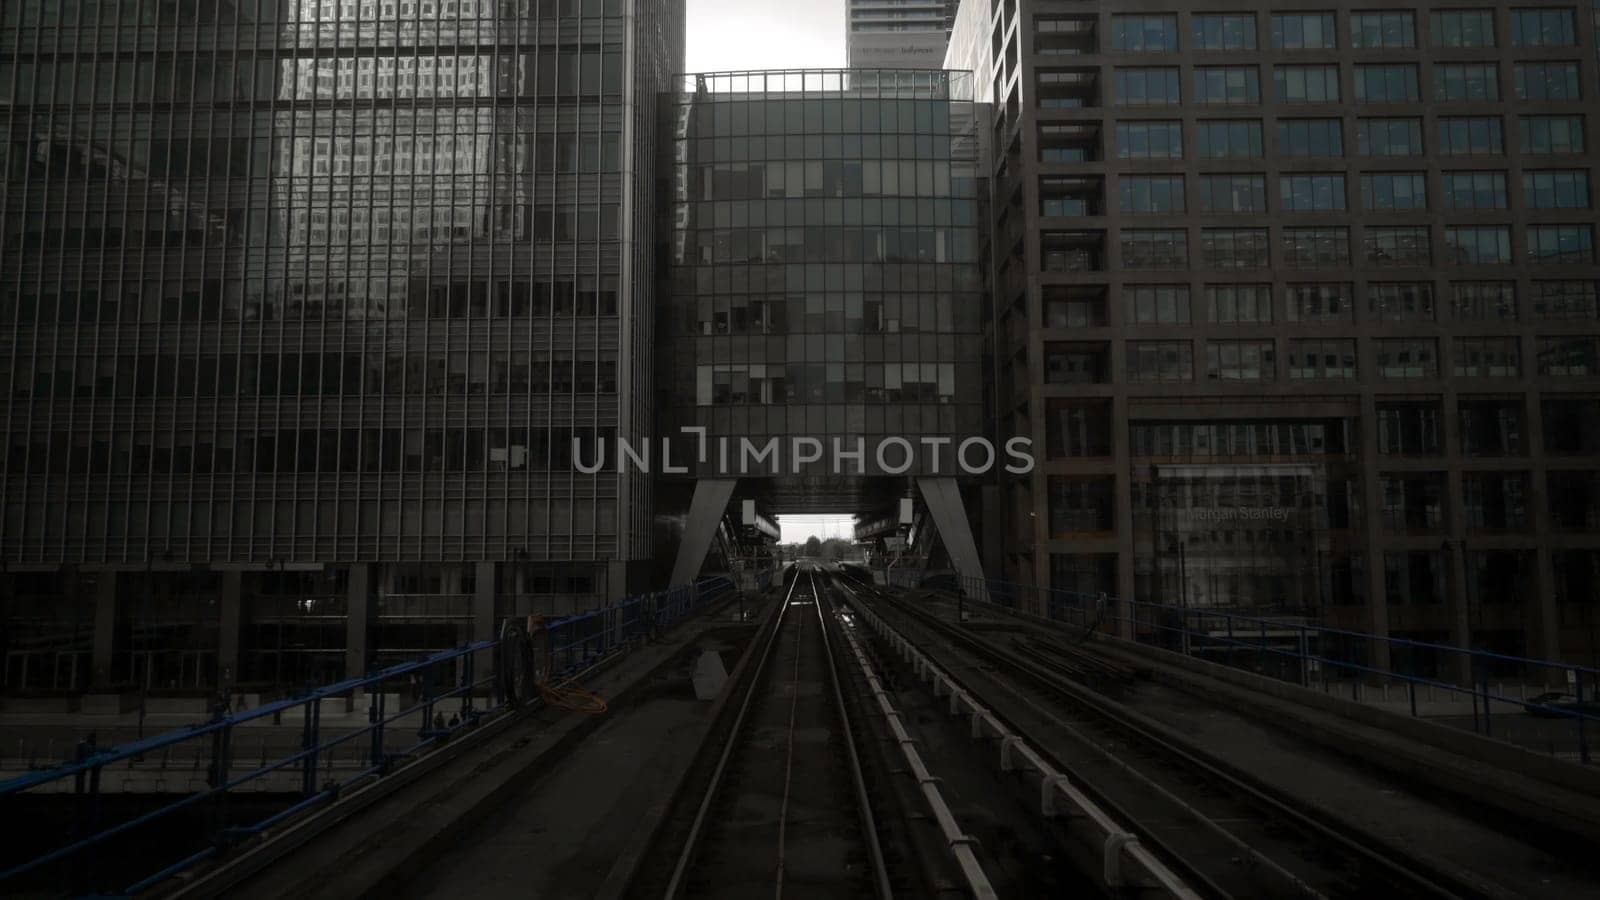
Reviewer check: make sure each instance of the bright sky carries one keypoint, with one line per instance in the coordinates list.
(797, 528)
(735, 35)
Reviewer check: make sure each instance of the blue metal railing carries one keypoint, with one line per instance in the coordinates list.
(1298, 650)
(464, 682)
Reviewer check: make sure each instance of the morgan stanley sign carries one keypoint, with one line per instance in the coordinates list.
(728, 456)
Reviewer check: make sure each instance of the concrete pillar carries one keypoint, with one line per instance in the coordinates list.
(711, 496)
(1378, 655)
(105, 627)
(231, 619)
(950, 517)
(358, 606)
(616, 580)
(483, 602)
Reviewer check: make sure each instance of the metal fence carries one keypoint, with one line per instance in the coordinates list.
(1307, 653)
(330, 747)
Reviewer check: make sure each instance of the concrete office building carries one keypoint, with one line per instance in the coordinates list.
(1301, 307)
(303, 305)
(897, 34)
(823, 281)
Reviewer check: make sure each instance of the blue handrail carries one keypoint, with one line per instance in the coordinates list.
(575, 642)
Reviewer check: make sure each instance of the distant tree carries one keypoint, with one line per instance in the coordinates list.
(835, 548)
(813, 546)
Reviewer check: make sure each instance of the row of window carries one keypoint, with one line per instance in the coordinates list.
(1372, 83)
(1316, 247)
(1325, 192)
(48, 13)
(1322, 358)
(307, 450)
(1401, 301)
(1324, 138)
(1368, 29)
(1489, 425)
(437, 373)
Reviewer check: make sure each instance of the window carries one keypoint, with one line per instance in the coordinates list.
(1547, 81)
(1491, 426)
(1227, 85)
(1240, 361)
(1564, 300)
(1310, 137)
(1466, 81)
(1389, 137)
(1319, 303)
(1552, 134)
(1072, 251)
(1076, 363)
(1157, 304)
(1160, 361)
(1152, 248)
(1067, 88)
(1483, 301)
(1571, 423)
(1556, 189)
(1494, 501)
(1312, 247)
(1543, 28)
(1311, 193)
(1413, 502)
(1407, 357)
(1150, 140)
(1238, 304)
(1151, 193)
(1322, 358)
(1234, 248)
(1144, 34)
(1463, 28)
(1233, 193)
(1306, 84)
(1383, 30)
(1069, 195)
(1400, 301)
(1229, 138)
(1409, 428)
(1304, 31)
(1470, 135)
(1569, 355)
(1147, 87)
(1480, 245)
(1554, 244)
(1074, 142)
(1473, 190)
(1388, 83)
(1223, 32)
(1487, 357)
(1074, 306)
(1399, 245)
(1077, 428)
(1394, 191)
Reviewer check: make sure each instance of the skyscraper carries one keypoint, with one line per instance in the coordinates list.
(304, 305)
(897, 34)
(1300, 306)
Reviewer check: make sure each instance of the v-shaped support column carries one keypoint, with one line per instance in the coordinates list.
(711, 496)
(950, 515)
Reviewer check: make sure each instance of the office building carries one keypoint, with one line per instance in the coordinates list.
(1300, 306)
(304, 305)
(897, 34)
(823, 281)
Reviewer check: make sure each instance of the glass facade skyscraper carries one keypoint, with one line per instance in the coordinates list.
(304, 303)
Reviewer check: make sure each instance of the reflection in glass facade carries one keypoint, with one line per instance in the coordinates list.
(823, 275)
(289, 283)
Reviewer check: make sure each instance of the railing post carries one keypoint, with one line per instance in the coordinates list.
(1411, 688)
(308, 743)
(1583, 739)
(375, 721)
(1305, 659)
(1488, 722)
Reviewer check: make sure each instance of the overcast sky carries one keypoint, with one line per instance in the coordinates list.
(736, 35)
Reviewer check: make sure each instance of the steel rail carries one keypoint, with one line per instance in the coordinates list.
(858, 779)
(1402, 867)
(1118, 841)
(959, 842)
